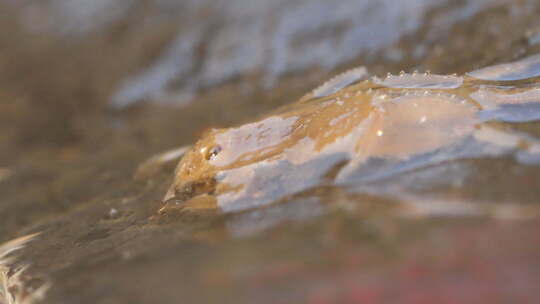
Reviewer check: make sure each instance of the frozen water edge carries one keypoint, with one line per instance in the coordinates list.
(271, 39)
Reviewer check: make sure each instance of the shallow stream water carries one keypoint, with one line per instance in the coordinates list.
(89, 92)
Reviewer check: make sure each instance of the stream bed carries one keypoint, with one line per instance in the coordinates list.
(91, 90)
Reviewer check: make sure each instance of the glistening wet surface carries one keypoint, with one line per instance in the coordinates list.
(360, 132)
(412, 188)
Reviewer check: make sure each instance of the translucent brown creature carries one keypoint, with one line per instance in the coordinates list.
(356, 128)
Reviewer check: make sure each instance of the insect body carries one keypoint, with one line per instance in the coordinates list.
(406, 121)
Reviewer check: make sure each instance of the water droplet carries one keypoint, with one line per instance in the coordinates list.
(113, 213)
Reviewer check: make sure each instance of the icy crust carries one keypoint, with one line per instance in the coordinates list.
(419, 80)
(339, 82)
(525, 68)
(256, 37)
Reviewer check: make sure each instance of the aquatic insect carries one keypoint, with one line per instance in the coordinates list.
(354, 129)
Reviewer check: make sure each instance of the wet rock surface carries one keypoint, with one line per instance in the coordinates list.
(89, 93)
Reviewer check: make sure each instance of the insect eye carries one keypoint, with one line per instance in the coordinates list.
(213, 152)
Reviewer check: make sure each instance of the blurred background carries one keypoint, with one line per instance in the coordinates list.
(90, 89)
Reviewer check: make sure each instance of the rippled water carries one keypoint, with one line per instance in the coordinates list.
(249, 38)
